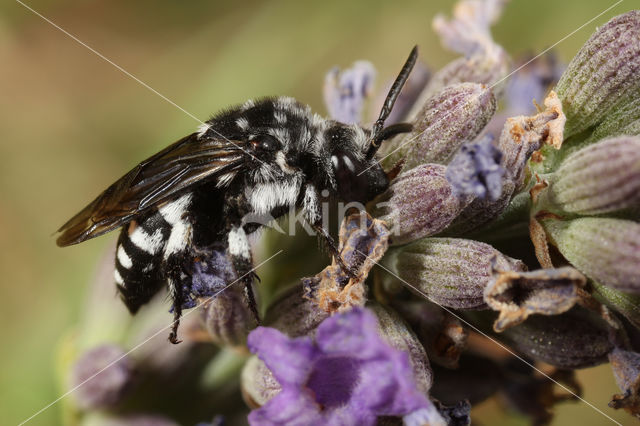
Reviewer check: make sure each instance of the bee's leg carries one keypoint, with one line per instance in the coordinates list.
(240, 254)
(177, 314)
(313, 214)
(333, 248)
(175, 278)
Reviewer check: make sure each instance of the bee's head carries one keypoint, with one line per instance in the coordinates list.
(358, 175)
(357, 172)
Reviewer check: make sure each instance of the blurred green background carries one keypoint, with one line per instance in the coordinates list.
(71, 124)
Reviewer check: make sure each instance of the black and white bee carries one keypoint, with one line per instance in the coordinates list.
(264, 157)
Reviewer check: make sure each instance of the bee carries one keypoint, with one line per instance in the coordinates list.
(264, 157)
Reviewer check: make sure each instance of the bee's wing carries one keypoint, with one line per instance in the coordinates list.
(179, 166)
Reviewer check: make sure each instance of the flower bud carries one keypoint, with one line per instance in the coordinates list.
(227, 317)
(102, 377)
(481, 211)
(626, 304)
(601, 178)
(479, 68)
(606, 250)
(395, 332)
(449, 271)
(575, 339)
(257, 383)
(449, 118)
(623, 120)
(420, 203)
(606, 70)
(294, 314)
(516, 295)
(626, 370)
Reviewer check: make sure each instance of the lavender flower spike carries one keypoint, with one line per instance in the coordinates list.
(345, 92)
(468, 32)
(101, 386)
(348, 375)
(475, 170)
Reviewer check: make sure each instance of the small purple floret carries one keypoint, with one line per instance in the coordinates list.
(347, 375)
(211, 273)
(345, 92)
(475, 170)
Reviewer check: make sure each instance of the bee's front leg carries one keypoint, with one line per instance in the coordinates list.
(313, 215)
(333, 248)
(240, 254)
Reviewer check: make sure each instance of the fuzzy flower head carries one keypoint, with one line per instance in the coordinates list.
(211, 272)
(476, 170)
(346, 375)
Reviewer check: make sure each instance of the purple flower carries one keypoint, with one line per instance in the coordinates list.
(347, 375)
(103, 376)
(532, 82)
(346, 91)
(211, 272)
(475, 170)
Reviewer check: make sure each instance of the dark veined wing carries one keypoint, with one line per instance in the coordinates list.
(179, 166)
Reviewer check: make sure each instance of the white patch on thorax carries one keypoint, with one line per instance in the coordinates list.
(281, 134)
(145, 242)
(124, 258)
(239, 243)
(242, 123)
(173, 211)
(282, 162)
(265, 197)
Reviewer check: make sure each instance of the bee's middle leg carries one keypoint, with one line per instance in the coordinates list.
(240, 253)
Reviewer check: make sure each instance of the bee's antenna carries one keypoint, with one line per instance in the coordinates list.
(377, 133)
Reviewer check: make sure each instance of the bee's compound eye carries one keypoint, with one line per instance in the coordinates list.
(265, 143)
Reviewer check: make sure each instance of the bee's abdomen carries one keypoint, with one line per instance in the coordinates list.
(138, 273)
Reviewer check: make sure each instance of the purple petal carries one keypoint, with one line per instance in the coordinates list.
(333, 379)
(387, 387)
(290, 407)
(345, 92)
(353, 334)
(290, 360)
(475, 170)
